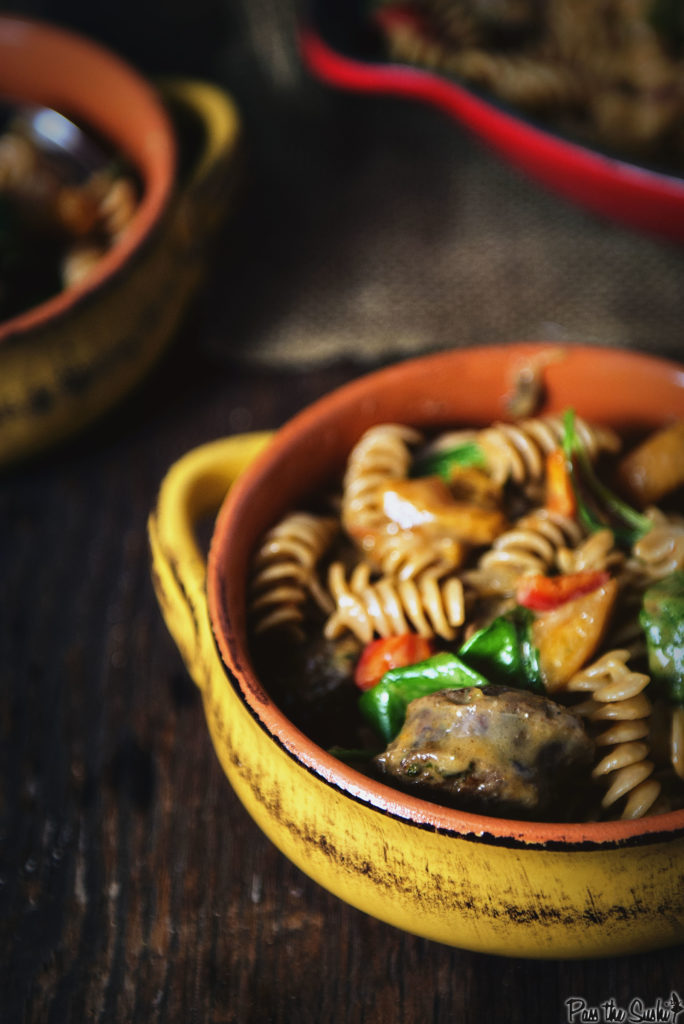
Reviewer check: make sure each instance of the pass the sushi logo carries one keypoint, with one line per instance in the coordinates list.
(663, 1011)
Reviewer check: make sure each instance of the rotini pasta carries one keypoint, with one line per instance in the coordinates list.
(59, 225)
(117, 205)
(78, 261)
(597, 551)
(617, 697)
(284, 574)
(517, 451)
(661, 550)
(380, 455)
(389, 606)
(654, 556)
(607, 73)
(532, 546)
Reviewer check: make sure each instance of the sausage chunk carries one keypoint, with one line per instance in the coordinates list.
(493, 750)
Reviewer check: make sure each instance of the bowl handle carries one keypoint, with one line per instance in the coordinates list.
(193, 489)
(208, 181)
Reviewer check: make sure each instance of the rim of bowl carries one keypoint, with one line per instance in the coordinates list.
(46, 64)
(310, 431)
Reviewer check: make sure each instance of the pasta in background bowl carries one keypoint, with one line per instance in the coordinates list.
(71, 354)
(352, 46)
(499, 884)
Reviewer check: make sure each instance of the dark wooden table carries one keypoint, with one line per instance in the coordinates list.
(133, 885)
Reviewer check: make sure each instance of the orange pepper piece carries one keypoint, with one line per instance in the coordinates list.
(560, 496)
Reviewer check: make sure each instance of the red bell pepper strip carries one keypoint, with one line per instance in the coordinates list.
(542, 593)
(389, 652)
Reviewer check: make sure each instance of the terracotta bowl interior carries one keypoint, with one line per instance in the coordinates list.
(44, 64)
(628, 390)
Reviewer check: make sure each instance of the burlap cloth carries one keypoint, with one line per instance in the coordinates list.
(387, 231)
(372, 228)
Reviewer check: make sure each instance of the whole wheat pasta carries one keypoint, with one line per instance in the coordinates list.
(617, 697)
(532, 546)
(661, 550)
(517, 451)
(597, 551)
(519, 79)
(117, 202)
(283, 576)
(60, 225)
(386, 607)
(79, 261)
(381, 454)
(406, 556)
(606, 73)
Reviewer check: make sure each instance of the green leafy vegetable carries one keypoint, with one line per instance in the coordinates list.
(662, 619)
(503, 651)
(440, 463)
(384, 706)
(597, 506)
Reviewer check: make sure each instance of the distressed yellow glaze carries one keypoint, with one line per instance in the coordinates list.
(486, 887)
(57, 375)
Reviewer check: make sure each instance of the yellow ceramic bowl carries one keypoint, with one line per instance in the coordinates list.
(70, 358)
(483, 883)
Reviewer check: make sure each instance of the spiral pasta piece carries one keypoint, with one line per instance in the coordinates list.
(597, 552)
(284, 571)
(666, 739)
(406, 556)
(584, 36)
(381, 454)
(517, 451)
(79, 261)
(532, 82)
(660, 551)
(609, 72)
(531, 546)
(388, 606)
(617, 697)
(525, 81)
(636, 97)
(117, 205)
